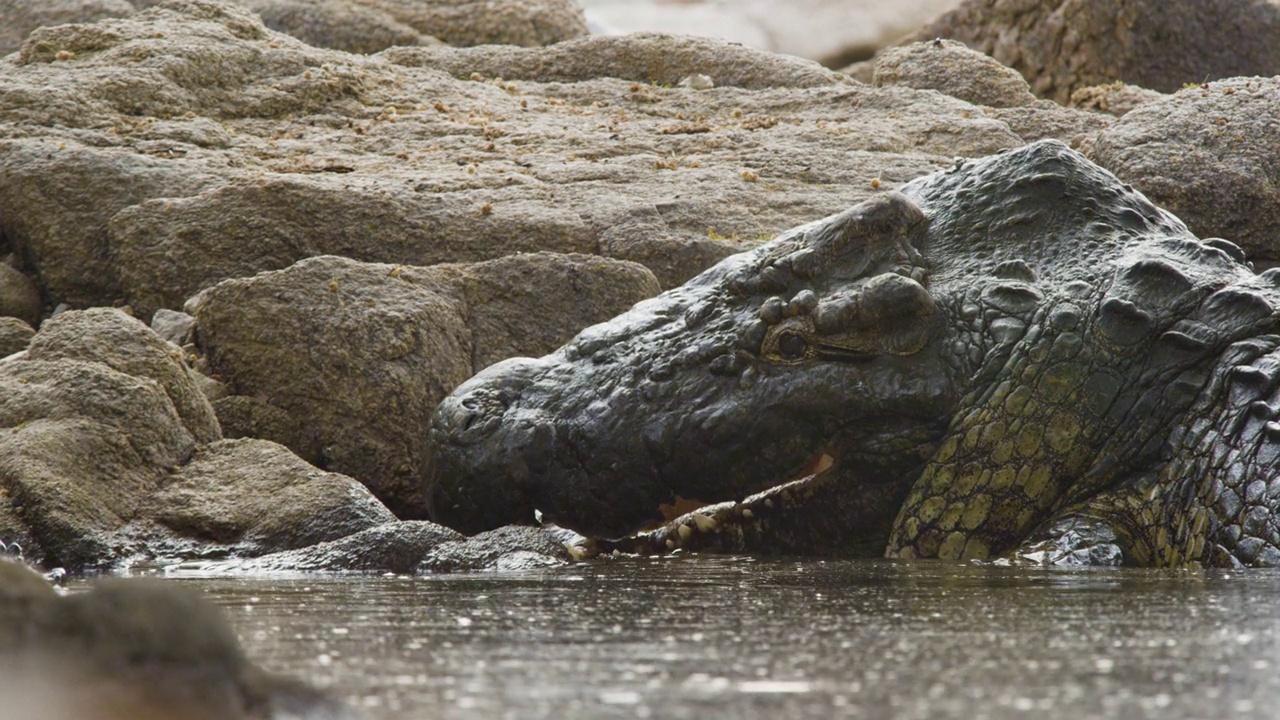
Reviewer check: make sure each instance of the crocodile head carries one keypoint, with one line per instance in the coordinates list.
(820, 341)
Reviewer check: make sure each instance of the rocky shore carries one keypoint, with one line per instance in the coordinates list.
(241, 267)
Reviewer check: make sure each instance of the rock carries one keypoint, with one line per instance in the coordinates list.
(258, 495)
(189, 144)
(490, 22)
(364, 352)
(244, 416)
(833, 32)
(133, 648)
(1115, 98)
(1065, 45)
(531, 304)
(108, 453)
(1209, 154)
(126, 345)
(14, 336)
(952, 68)
(55, 200)
(339, 24)
(19, 296)
(172, 326)
(82, 450)
(395, 547)
(506, 548)
(19, 17)
(645, 57)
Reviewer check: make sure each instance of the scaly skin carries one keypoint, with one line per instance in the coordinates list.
(1019, 357)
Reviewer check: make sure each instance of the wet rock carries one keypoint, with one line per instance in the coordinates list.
(14, 336)
(1211, 155)
(258, 495)
(124, 344)
(1114, 98)
(1065, 45)
(395, 547)
(19, 17)
(952, 68)
(133, 648)
(19, 296)
(365, 351)
(513, 547)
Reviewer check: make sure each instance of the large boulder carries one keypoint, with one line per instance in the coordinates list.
(1064, 45)
(363, 352)
(108, 452)
(953, 68)
(1210, 154)
(133, 648)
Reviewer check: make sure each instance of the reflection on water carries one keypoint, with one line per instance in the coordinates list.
(694, 637)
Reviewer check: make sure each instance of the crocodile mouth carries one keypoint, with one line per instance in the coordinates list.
(693, 525)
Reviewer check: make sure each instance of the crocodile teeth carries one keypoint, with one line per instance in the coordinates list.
(705, 523)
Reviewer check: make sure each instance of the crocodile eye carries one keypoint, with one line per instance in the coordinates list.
(792, 345)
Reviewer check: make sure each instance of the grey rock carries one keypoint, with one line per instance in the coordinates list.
(396, 547)
(531, 304)
(339, 24)
(124, 344)
(513, 547)
(951, 67)
(1064, 45)
(19, 296)
(490, 22)
(1115, 98)
(14, 336)
(1211, 155)
(19, 17)
(172, 326)
(649, 58)
(364, 351)
(257, 494)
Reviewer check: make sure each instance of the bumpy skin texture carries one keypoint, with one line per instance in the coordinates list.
(1018, 357)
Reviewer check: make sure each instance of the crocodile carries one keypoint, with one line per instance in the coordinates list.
(1018, 358)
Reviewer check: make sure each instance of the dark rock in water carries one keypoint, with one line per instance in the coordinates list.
(395, 547)
(1064, 45)
(513, 547)
(133, 649)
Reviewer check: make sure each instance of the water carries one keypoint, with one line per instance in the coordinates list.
(698, 637)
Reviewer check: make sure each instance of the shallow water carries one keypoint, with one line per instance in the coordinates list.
(690, 637)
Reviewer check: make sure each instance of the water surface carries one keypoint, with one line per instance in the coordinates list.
(698, 637)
